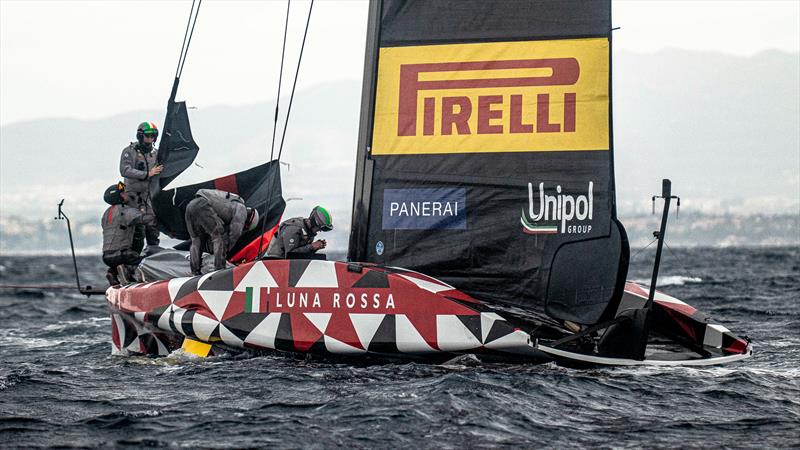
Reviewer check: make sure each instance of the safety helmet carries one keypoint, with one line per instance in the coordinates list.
(146, 129)
(321, 218)
(113, 194)
(252, 219)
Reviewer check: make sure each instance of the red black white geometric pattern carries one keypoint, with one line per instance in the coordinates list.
(681, 319)
(130, 337)
(317, 306)
(349, 309)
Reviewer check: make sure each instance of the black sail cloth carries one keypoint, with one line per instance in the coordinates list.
(485, 152)
(260, 186)
(177, 149)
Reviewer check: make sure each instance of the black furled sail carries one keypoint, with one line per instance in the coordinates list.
(260, 186)
(177, 149)
(485, 153)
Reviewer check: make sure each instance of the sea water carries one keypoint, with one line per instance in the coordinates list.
(60, 386)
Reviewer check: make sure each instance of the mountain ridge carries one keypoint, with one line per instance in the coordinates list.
(722, 127)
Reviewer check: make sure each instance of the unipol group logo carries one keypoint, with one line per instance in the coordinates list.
(553, 212)
(492, 97)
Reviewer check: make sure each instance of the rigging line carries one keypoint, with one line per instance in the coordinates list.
(189, 42)
(679, 259)
(294, 84)
(286, 123)
(280, 80)
(185, 34)
(643, 249)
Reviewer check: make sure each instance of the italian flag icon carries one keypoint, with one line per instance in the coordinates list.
(254, 301)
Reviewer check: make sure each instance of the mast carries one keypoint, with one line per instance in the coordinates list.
(362, 189)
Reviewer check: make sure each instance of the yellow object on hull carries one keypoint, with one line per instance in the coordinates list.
(196, 348)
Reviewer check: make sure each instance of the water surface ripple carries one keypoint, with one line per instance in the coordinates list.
(59, 385)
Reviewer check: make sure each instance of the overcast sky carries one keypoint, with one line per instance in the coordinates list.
(92, 59)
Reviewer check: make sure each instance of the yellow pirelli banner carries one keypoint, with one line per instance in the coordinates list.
(532, 96)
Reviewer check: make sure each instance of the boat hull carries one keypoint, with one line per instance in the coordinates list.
(363, 310)
(311, 307)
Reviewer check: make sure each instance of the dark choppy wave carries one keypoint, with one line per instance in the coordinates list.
(59, 386)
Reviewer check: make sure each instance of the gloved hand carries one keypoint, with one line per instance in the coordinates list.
(318, 245)
(155, 171)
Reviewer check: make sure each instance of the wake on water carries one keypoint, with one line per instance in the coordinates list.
(670, 280)
(59, 385)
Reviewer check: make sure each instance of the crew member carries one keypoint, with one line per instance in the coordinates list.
(123, 234)
(139, 167)
(220, 217)
(295, 237)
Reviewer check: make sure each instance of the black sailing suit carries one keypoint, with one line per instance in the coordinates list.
(293, 237)
(134, 165)
(216, 215)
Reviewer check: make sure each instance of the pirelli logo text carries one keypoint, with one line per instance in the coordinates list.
(496, 97)
(456, 111)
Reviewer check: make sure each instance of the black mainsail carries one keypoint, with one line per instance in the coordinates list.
(485, 153)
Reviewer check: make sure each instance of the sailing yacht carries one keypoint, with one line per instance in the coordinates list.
(484, 213)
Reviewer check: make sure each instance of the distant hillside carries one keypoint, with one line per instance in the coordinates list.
(19, 235)
(723, 128)
(715, 230)
(44, 161)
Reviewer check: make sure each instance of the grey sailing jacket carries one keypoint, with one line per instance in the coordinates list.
(292, 237)
(134, 166)
(230, 208)
(119, 223)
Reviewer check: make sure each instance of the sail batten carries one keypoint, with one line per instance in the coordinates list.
(485, 152)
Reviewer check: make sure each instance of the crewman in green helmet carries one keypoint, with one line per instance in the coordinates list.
(139, 165)
(295, 237)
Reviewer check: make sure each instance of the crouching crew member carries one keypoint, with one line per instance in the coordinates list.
(139, 167)
(123, 235)
(220, 217)
(295, 237)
